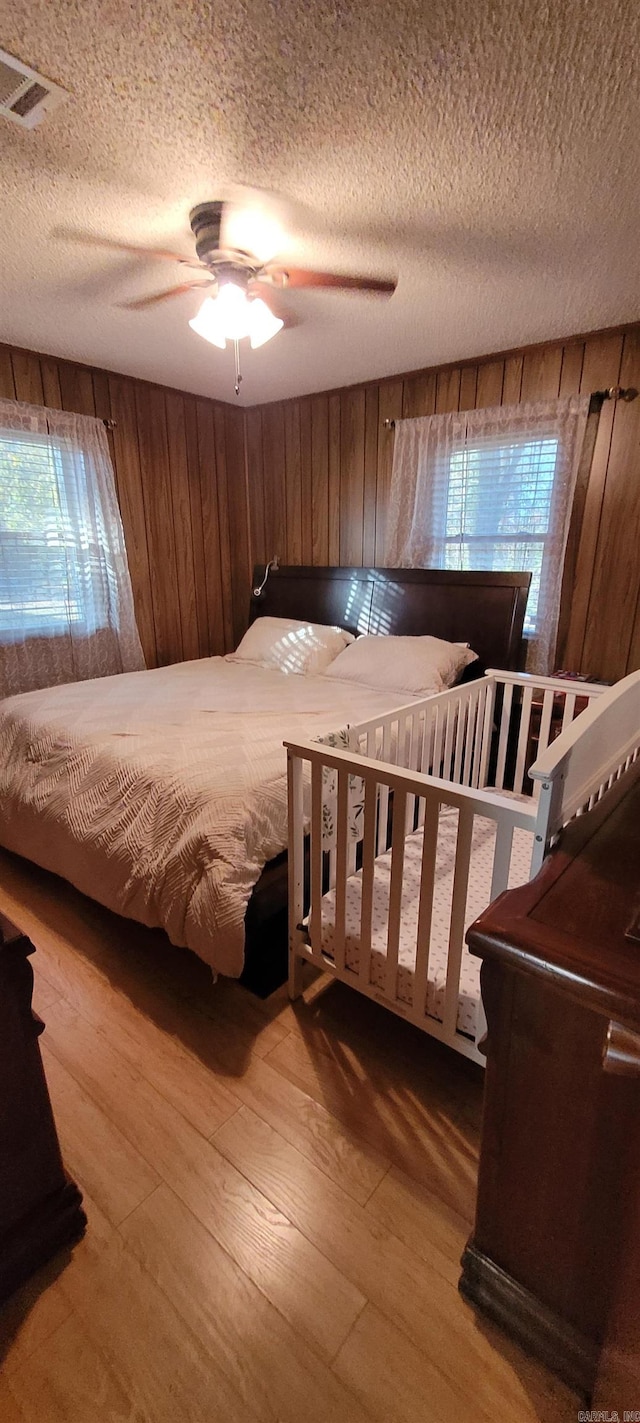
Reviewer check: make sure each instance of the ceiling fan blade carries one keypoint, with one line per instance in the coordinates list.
(90, 239)
(300, 277)
(142, 301)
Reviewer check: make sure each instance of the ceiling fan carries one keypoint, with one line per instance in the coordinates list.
(243, 298)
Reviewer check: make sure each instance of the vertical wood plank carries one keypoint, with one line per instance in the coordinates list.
(197, 531)
(389, 408)
(571, 374)
(293, 480)
(352, 477)
(27, 377)
(222, 490)
(210, 525)
(154, 467)
(512, 381)
(7, 382)
(76, 388)
(601, 368)
(51, 382)
(238, 520)
(468, 388)
(102, 406)
(447, 391)
(275, 496)
(419, 395)
(132, 510)
(319, 480)
(541, 374)
(371, 436)
(489, 386)
(255, 485)
(615, 581)
(181, 506)
(306, 491)
(335, 418)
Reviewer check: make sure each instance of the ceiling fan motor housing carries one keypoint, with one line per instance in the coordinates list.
(206, 222)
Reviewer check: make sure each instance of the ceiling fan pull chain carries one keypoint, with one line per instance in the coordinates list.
(236, 352)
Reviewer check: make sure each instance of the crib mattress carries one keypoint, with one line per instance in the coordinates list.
(478, 897)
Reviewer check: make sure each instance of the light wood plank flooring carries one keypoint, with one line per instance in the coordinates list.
(277, 1202)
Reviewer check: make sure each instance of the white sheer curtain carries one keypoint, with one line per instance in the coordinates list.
(492, 489)
(66, 606)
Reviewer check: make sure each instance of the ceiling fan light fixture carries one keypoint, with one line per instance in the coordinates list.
(208, 325)
(231, 315)
(262, 323)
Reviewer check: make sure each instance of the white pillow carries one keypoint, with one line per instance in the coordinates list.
(291, 646)
(417, 665)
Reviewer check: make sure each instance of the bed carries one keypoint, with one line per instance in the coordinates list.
(422, 817)
(162, 794)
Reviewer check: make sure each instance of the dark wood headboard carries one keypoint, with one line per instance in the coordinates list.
(484, 609)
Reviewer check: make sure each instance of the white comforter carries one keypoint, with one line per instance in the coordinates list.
(162, 794)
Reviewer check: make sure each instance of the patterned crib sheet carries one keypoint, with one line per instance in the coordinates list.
(478, 897)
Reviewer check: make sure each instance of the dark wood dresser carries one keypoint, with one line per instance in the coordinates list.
(40, 1207)
(555, 1252)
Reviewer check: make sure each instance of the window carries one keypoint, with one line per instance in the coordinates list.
(47, 545)
(491, 489)
(499, 507)
(66, 605)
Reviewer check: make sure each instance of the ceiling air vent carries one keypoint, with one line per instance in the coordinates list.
(25, 96)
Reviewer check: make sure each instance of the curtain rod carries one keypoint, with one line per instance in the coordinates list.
(615, 392)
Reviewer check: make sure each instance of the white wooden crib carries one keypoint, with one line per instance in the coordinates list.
(410, 824)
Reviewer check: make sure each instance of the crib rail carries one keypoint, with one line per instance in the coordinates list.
(387, 791)
(575, 771)
(352, 809)
(487, 732)
(530, 711)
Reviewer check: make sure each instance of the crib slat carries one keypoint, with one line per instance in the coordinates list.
(425, 908)
(428, 735)
(416, 728)
(460, 734)
(569, 708)
(368, 867)
(383, 802)
(395, 892)
(452, 722)
(501, 858)
(315, 913)
(458, 916)
(478, 725)
(436, 760)
(469, 740)
(505, 723)
(523, 739)
(426, 754)
(544, 732)
(295, 857)
(487, 734)
(545, 721)
(341, 868)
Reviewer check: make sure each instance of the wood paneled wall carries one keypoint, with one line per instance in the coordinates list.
(179, 463)
(206, 488)
(319, 470)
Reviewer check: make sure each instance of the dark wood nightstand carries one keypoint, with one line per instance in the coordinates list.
(40, 1206)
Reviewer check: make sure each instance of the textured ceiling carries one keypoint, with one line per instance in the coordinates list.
(487, 152)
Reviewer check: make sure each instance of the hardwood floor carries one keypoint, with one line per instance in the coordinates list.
(277, 1202)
